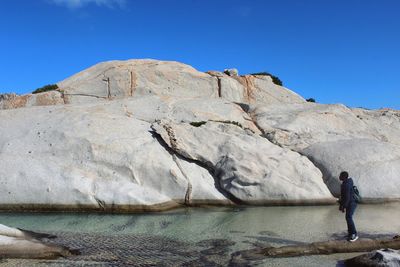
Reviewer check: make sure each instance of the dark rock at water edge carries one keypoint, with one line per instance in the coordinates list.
(377, 258)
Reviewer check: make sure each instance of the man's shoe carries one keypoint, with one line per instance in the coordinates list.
(353, 237)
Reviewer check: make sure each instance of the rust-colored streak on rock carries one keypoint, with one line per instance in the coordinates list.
(133, 82)
(248, 83)
(17, 102)
(48, 99)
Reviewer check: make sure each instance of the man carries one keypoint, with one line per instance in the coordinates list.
(348, 204)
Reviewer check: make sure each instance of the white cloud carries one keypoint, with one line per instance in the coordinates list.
(81, 3)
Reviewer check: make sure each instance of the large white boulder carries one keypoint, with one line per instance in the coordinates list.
(373, 165)
(134, 78)
(104, 156)
(119, 79)
(363, 142)
(247, 166)
(91, 157)
(297, 126)
(143, 77)
(107, 142)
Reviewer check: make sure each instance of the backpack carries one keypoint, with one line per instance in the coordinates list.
(356, 194)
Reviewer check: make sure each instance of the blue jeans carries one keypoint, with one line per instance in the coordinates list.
(351, 228)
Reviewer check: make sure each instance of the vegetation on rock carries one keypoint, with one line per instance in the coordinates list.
(310, 100)
(46, 88)
(275, 79)
(197, 123)
(231, 122)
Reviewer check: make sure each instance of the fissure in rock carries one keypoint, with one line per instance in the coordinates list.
(219, 87)
(188, 193)
(211, 169)
(96, 96)
(107, 80)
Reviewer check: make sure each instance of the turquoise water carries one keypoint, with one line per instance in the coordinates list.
(200, 236)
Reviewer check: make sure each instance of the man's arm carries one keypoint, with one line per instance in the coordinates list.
(342, 197)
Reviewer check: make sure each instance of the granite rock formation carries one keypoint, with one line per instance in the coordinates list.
(151, 135)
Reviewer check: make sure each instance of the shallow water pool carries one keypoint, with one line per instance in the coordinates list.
(199, 236)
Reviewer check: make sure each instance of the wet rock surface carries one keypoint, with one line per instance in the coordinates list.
(378, 258)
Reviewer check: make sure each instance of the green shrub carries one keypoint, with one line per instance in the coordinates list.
(310, 100)
(46, 88)
(275, 79)
(197, 123)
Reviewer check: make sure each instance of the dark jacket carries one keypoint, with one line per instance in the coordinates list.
(346, 193)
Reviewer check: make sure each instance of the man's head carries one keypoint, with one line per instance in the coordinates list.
(343, 176)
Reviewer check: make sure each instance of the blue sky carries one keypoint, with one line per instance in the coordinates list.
(335, 51)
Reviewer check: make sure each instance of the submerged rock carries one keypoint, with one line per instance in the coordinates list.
(16, 243)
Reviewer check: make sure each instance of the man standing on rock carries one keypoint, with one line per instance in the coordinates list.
(348, 204)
